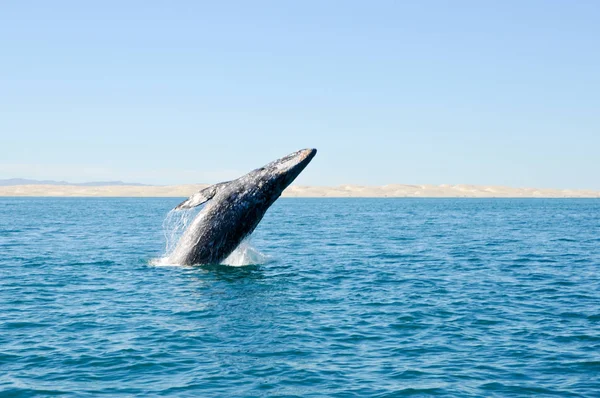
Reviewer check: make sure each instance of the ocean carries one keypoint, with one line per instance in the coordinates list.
(350, 297)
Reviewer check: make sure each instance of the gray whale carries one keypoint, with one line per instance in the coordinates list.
(233, 210)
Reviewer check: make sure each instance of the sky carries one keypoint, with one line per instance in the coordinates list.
(406, 92)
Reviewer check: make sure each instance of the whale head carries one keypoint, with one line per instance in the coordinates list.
(267, 182)
(273, 178)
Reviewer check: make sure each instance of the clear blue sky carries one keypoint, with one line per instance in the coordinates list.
(420, 92)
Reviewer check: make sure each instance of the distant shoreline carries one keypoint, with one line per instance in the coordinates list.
(341, 191)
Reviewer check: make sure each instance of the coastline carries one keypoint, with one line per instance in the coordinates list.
(341, 191)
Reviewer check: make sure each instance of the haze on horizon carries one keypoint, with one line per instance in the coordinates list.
(486, 93)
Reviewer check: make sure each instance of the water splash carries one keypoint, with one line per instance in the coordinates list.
(175, 224)
(245, 254)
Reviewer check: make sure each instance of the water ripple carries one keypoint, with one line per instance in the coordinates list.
(360, 297)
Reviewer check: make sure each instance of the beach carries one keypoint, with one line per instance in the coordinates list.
(340, 191)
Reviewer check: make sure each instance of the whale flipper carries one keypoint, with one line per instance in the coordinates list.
(202, 196)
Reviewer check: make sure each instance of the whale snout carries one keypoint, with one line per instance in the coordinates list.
(283, 171)
(308, 154)
(293, 164)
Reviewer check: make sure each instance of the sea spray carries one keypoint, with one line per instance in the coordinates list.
(245, 254)
(174, 224)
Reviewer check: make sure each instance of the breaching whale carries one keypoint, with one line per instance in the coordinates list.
(233, 210)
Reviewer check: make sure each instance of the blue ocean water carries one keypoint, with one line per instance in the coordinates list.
(360, 297)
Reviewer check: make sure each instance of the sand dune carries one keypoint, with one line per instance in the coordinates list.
(342, 191)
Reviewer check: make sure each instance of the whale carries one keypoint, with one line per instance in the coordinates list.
(233, 209)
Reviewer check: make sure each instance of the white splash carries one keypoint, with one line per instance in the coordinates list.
(175, 224)
(245, 254)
